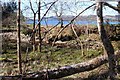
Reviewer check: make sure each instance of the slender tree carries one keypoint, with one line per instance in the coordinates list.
(39, 26)
(0, 28)
(105, 40)
(33, 36)
(18, 39)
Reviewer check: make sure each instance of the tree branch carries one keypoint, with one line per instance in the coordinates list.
(71, 22)
(31, 6)
(34, 30)
(46, 32)
(46, 12)
(113, 7)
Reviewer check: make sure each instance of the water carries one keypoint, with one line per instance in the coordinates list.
(55, 21)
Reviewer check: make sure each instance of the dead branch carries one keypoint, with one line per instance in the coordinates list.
(81, 45)
(31, 6)
(46, 12)
(70, 23)
(113, 7)
(50, 30)
(34, 30)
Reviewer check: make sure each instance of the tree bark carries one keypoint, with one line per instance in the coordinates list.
(18, 39)
(66, 70)
(39, 27)
(105, 40)
(33, 34)
(34, 47)
(1, 30)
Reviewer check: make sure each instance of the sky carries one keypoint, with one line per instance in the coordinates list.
(70, 7)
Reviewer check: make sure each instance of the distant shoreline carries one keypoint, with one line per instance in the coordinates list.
(53, 22)
(81, 20)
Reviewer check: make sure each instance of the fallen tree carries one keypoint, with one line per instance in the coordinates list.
(66, 70)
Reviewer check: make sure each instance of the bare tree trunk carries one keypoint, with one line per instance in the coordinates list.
(34, 47)
(39, 28)
(34, 31)
(0, 29)
(18, 39)
(106, 42)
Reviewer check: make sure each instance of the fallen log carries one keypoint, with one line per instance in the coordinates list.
(72, 69)
(103, 75)
(68, 70)
(7, 30)
(100, 76)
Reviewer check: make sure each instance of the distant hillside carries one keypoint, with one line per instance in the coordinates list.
(90, 17)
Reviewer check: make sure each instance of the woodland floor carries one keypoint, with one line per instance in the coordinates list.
(52, 57)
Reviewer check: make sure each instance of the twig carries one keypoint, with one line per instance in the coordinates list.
(34, 30)
(70, 23)
(50, 30)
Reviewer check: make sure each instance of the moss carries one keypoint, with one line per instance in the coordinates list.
(11, 56)
(2, 58)
(93, 53)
